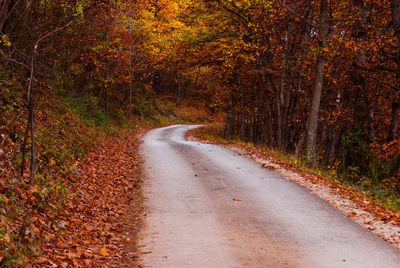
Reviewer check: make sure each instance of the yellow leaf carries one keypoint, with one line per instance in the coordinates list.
(103, 252)
(52, 162)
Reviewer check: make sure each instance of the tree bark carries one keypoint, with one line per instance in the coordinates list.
(312, 132)
(242, 118)
(229, 121)
(279, 120)
(25, 143)
(33, 149)
(107, 69)
(30, 123)
(130, 71)
(394, 122)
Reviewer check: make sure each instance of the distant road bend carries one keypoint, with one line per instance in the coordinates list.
(193, 220)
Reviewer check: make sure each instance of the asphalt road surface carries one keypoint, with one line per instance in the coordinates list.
(193, 221)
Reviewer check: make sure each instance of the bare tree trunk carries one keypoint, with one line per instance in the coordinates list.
(278, 119)
(32, 114)
(371, 128)
(130, 97)
(319, 79)
(333, 138)
(130, 71)
(30, 123)
(229, 120)
(25, 143)
(33, 150)
(242, 118)
(178, 95)
(251, 129)
(394, 122)
(107, 69)
(284, 92)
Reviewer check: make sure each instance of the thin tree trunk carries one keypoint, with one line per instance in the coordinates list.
(394, 123)
(278, 119)
(319, 79)
(30, 123)
(332, 150)
(25, 142)
(284, 94)
(107, 68)
(242, 118)
(229, 119)
(33, 151)
(32, 113)
(130, 98)
(130, 71)
(178, 97)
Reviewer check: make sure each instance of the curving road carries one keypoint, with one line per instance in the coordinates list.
(193, 220)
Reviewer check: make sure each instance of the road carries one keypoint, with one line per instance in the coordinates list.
(193, 221)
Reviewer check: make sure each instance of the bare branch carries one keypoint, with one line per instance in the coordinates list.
(295, 14)
(17, 62)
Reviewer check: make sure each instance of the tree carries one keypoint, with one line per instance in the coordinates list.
(319, 80)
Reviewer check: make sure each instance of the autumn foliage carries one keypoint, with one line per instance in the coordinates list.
(318, 79)
(315, 78)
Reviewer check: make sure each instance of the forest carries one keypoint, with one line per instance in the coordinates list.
(317, 79)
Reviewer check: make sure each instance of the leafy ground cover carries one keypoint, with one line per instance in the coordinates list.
(100, 190)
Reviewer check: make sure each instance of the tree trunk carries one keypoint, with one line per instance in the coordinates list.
(333, 138)
(30, 123)
(33, 150)
(107, 68)
(130, 71)
(319, 79)
(178, 93)
(25, 142)
(394, 122)
(282, 98)
(278, 114)
(242, 118)
(229, 121)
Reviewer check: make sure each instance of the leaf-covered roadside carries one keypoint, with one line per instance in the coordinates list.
(101, 188)
(359, 206)
(69, 216)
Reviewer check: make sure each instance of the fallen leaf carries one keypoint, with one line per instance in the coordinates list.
(103, 252)
(351, 214)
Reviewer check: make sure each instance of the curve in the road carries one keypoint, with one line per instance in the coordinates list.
(193, 220)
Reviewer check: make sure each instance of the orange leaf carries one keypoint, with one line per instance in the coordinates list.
(103, 252)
